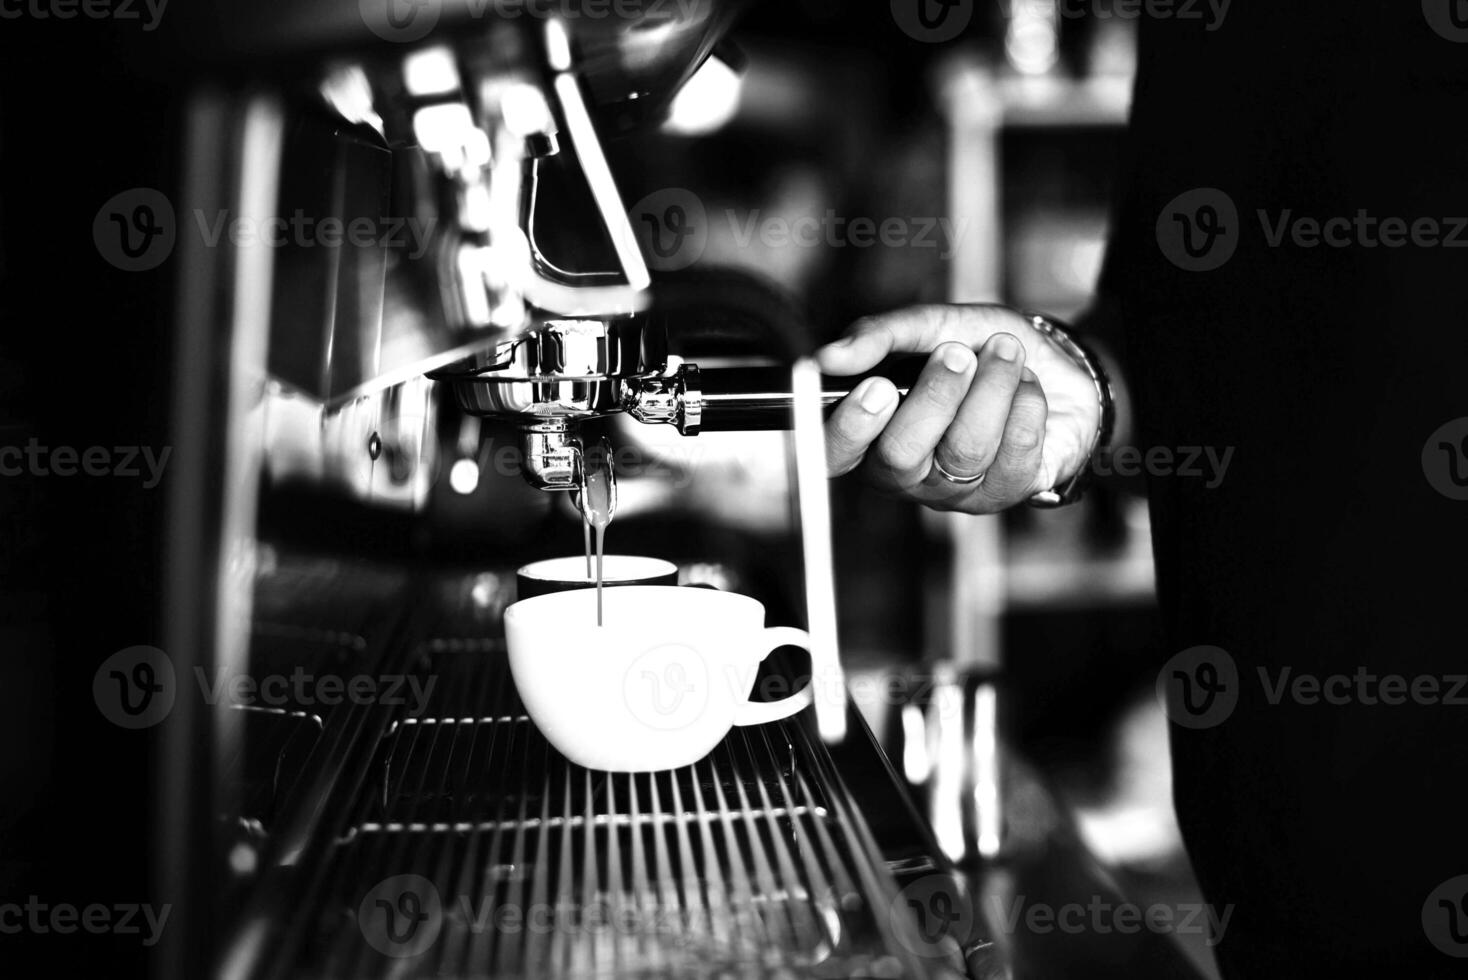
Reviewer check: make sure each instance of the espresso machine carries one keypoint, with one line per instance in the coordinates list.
(426, 828)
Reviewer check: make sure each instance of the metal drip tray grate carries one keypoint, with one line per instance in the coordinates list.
(477, 850)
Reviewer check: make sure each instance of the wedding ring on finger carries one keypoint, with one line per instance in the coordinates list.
(962, 481)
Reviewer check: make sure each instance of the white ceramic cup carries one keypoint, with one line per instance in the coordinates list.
(657, 685)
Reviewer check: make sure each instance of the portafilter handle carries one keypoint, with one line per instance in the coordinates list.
(749, 398)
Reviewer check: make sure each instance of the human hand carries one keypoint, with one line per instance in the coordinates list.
(997, 398)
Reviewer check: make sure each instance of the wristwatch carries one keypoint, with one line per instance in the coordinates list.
(1071, 490)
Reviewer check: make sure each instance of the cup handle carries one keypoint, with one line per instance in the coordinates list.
(763, 712)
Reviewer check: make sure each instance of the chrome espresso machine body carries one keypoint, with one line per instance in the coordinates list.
(425, 828)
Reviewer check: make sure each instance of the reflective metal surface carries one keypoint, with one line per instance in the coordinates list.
(560, 368)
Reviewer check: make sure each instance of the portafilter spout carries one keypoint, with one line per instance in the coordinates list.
(557, 375)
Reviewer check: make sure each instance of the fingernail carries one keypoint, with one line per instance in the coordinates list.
(957, 358)
(1006, 348)
(875, 397)
(1026, 374)
(843, 342)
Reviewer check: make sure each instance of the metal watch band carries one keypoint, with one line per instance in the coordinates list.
(1071, 490)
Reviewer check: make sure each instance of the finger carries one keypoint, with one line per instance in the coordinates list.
(915, 329)
(1015, 472)
(903, 454)
(856, 422)
(971, 443)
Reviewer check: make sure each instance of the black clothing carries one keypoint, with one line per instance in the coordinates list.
(1326, 548)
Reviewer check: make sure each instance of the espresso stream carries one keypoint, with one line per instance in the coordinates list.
(598, 500)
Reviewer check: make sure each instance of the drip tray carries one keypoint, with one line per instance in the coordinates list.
(476, 850)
